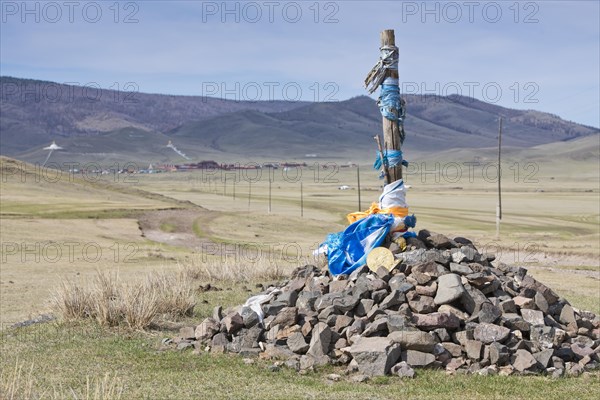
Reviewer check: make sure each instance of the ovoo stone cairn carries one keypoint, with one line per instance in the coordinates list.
(443, 306)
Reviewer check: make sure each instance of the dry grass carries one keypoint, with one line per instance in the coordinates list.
(231, 270)
(137, 305)
(18, 383)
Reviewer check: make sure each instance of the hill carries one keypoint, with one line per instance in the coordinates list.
(107, 130)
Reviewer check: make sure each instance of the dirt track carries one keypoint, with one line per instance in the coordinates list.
(181, 222)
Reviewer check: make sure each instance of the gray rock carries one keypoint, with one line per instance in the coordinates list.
(233, 322)
(473, 349)
(219, 343)
(488, 333)
(448, 309)
(297, 343)
(422, 304)
(412, 257)
(306, 300)
(357, 328)
(534, 317)
(326, 300)
(508, 306)
(396, 280)
(430, 268)
(377, 284)
(454, 349)
(341, 322)
(460, 269)
(395, 298)
(245, 339)
(450, 288)
(524, 302)
(567, 317)
(413, 242)
(375, 356)
(345, 303)
(442, 334)
(185, 345)
(543, 357)
(499, 354)
(337, 285)
(471, 254)
(543, 336)
(399, 322)
(320, 341)
(273, 308)
(413, 340)
(438, 241)
(515, 322)
(436, 320)
(187, 332)
(249, 317)
(416, 358)
(419, 278)
(309, 362)
(472, 299)
(541, 302)
(581, 350)
(538, 287)
(428, 290)
(458, 256)
(286, 317)
(524, 360)
(403, 370)
(217, 313)
(573, 369)
(206, 330)
(288, 297)
(377, 327)
(489, 313)
(363, 307)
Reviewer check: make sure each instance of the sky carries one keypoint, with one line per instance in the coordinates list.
(541, 55)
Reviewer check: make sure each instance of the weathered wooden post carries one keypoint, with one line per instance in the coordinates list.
(385, 74)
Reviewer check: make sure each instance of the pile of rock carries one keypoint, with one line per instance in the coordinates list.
(443, 306)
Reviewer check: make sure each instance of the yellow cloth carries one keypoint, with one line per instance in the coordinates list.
(374, 209)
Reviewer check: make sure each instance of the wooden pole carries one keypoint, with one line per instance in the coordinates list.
(391, 131)
(249, 193)
(301, 200)
(384, 167)
(269, 194)
(499, 206)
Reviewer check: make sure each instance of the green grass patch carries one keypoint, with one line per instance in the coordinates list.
(168, 227)
(67, 356)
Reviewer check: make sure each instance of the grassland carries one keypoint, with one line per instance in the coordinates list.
(550, 226)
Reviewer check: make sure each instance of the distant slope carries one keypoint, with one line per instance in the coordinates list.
(584, 150)
(34, 111)
(347, 127)
(36, 191)
(115, 131)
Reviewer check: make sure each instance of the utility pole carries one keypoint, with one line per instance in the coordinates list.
(269, 193)
(499, 205)
(249, 193)
(301, 200)
(358, 185)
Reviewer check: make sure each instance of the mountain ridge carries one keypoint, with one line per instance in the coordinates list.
(208, 127)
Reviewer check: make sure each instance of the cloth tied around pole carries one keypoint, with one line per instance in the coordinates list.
(391, 158)
(388, 60)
